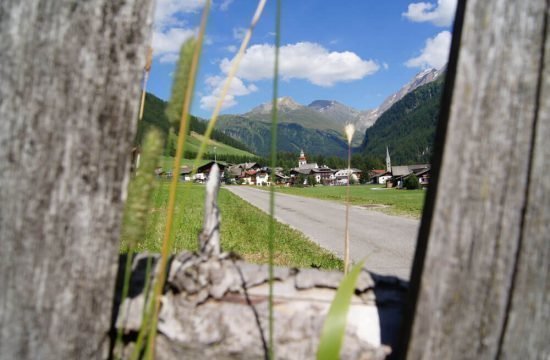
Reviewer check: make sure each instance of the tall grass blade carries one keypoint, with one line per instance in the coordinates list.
(146, 70)
(271, 354)
(189, 65)
(349, 130)
(140, 193)
(174, 109)
(232, 71)
(334, 328)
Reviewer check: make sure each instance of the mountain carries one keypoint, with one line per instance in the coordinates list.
(340, 113)
(368, 118)
(407, 128)
(291, 136)
(289, 111)
(316, 128)
(284, 104)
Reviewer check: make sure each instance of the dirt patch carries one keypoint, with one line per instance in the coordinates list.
(375, 206)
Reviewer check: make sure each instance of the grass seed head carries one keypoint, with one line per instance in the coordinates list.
(349, 130)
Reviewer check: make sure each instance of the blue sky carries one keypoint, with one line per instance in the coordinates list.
(354, 51)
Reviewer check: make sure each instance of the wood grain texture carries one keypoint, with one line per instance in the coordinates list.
(481, 294)
(68, 102)
(527, 333)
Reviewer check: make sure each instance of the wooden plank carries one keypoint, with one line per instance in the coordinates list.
(482, 227)
(69, 92)
(527, 331)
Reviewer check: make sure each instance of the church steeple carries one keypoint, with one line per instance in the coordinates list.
(388, 160)
(302, 160)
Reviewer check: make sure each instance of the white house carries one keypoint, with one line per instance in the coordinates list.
(342, 176)
(262, 178)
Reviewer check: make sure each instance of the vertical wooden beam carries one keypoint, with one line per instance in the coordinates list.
(483, 289)
(527, 328)
(69, 90)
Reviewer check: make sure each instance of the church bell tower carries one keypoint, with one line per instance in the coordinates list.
(302, 160)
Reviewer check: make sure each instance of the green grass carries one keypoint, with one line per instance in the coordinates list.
(194, 141)
(168, 161)
(244, 230)
(390, 201)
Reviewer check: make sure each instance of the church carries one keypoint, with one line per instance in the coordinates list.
(303, 164)
(323, 174)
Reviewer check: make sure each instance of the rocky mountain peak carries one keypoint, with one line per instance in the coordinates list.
(368, 117)
(285, 103)
(321, 105)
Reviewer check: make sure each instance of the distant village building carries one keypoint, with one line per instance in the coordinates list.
(342, 176)
(324, 175)
(252, 173)
(400, 173)
(304, 166)
(381, 176)
(185, 173)
(204, 171)
(394, 176)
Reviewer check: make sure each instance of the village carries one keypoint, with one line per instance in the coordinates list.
(306, 174)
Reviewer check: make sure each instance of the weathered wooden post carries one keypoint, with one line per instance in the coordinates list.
(481, 277)
(69, 90)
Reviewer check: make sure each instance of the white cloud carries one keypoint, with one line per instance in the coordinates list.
(166, 45)
(435, 54)
(238, 33)
(170, 32)
(208, 40)
(441, 14)
(231, 48)
(166, 10)
(215, 85)
(225, 5)
(168, 58)
(385, 66)
(208, 102)
(303, 60)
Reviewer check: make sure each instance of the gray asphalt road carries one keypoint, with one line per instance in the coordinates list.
(386, 242)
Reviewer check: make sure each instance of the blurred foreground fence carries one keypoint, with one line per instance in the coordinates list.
(69, 90)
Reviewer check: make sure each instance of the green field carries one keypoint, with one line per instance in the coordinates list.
(244, 230)
(194, 142)
(375, 197)
(168, 161)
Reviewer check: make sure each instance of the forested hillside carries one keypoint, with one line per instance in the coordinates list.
(407, 128)
(291, 137)
(154, 115)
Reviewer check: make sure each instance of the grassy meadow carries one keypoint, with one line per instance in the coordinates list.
(168, 161)
(244, 230)
(376, 197)
(194, 141)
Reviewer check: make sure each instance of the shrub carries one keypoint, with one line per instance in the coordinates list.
(411, 183)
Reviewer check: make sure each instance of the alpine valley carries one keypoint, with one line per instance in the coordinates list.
(318, 127)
